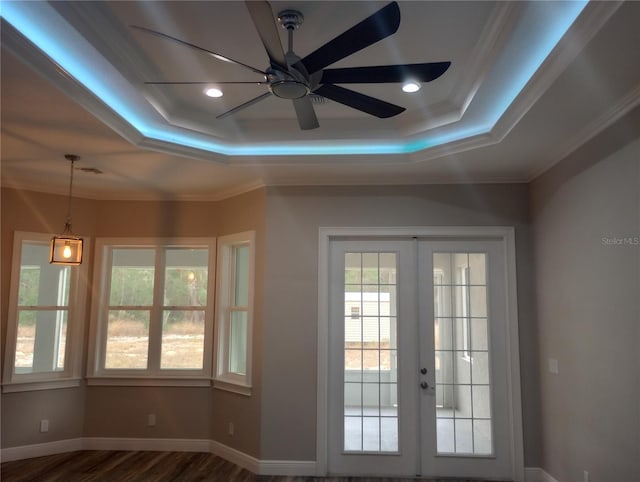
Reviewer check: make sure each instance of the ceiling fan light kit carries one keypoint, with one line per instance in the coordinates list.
(297, 79)
(410, 87)
(213, 92)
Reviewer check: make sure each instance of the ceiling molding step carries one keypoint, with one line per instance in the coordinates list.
(227, 193)
(44, 187)
(113, 195)
(37, 60)
(610, 117)
(423, 180)
(591, 20)
(172, 147)
(484, 54)
(440, 115)
(96, 20)
(486, 50)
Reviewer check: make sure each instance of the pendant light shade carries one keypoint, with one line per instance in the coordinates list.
(66, 248)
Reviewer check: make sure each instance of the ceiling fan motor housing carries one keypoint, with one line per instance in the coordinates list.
(291, 84)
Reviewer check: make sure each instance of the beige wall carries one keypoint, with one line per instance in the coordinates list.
(22, 412)
(191, 413)
(588, 309)
(294, 216)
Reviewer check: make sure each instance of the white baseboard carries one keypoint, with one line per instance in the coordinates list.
(252, 464)
(150, 444)
(291, 468)
(40, 450)
(232, 455)
(536, 474)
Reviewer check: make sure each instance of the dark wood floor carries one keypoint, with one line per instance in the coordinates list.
(121, 466)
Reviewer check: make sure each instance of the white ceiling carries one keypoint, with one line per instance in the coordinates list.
(497, 115)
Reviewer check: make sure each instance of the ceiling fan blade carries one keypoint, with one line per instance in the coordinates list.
(265, 23)
(380, 25)
(201, 49)
(362, 102)
(385, 73)
(306, 115)
(208, 82)
(244, 106)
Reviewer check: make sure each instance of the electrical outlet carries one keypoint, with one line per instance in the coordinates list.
(44, 426)
(151, 420)
(585, 476)
(231, 428)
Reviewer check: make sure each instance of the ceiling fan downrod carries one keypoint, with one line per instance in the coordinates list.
(290, 20)
(291, 84)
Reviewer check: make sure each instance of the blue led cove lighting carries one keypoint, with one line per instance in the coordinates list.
(50, 33)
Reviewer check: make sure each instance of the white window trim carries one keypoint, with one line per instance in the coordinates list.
(96, 374)
(71, 375)
(222, 378)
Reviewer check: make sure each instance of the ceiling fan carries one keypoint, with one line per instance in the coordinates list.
(291, 77)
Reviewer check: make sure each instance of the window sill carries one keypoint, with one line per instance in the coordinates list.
(232, 387)
(33, 385)
(148, 381)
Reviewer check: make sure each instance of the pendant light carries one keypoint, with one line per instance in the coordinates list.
(66, 248)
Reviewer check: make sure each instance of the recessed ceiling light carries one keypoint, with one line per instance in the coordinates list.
(213, 92)
(410, 86)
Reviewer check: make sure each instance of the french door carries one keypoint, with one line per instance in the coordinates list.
(418, 375)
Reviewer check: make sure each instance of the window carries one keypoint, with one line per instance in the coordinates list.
(154, 315)
(44, 327)
(234, 316)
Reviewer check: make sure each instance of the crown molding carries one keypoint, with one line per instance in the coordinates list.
(591, 20)
(610, 117)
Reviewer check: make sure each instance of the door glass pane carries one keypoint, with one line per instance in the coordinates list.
(463, 401)
(370, 353)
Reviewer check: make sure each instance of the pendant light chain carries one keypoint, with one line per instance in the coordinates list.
(67, 225)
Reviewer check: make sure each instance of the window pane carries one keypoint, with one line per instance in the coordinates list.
(41, 283)
(41, 341)
(132, 277)
(238, 342)
(241, 275)
(186, 277)
(182, 340)
(25, 342)
(127, 339)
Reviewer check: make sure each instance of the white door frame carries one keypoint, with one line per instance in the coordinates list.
(507, 236)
